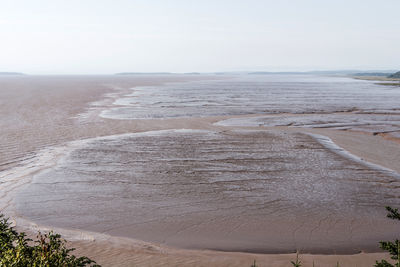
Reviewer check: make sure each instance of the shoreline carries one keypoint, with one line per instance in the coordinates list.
(381, 80)
(150, 252)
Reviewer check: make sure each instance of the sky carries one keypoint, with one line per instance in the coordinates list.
(110, 36)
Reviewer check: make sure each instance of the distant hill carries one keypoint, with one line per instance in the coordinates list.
(381, 73)
(11, 73)
(376, 74)
(277, 72)
(143, 73)
(220, 73)
(395, 75)
(328, 72)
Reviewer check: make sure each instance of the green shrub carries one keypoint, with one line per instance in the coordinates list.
(392, 247)
(47, 251)
(296, 263)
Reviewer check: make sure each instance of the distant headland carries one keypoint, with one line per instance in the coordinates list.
(144, 73)
(395, 75)
(11, 73)
(384, 78)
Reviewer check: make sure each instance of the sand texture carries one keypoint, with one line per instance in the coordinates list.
(180, 190)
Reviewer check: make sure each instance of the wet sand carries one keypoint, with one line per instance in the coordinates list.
(40, 111)
(40, 119)
(202, 189)
(359, 139)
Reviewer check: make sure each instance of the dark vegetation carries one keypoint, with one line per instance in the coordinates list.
(395, 75)
(49, 250)
(392, 247)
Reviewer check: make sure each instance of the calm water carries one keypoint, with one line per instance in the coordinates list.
(256, 94)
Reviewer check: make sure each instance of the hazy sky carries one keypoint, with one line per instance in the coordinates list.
(108, 36)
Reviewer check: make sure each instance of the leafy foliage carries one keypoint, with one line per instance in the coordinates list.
(393, 213)
(392, 247)
(47, 251)
(296, 263)
(383, 263)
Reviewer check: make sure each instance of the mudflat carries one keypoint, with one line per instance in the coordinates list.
(181, 190)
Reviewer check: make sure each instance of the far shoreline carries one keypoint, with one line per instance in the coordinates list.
(386, 81)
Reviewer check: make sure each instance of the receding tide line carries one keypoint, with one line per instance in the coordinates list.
(329, 144)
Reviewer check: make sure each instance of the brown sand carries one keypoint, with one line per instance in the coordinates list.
(40, 111)
(372, 148)
(125, 255)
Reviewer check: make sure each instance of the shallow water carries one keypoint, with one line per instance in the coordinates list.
(260, 191)
(254, 94)
(243, 190)
(356, 121)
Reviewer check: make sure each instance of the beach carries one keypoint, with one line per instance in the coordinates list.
(220, 187)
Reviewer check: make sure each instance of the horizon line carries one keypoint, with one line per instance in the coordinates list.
(332, 71)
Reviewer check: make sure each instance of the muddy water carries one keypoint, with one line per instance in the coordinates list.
(239, 191)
